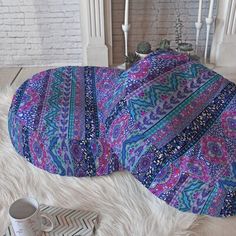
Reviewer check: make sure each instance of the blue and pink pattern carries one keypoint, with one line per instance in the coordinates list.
(169, 121)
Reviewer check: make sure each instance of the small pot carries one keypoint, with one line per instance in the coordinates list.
(141, 55)
(185, 47)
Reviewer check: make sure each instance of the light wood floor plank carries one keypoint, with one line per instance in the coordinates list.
(7, 75)
(27, 73)
(228, 73)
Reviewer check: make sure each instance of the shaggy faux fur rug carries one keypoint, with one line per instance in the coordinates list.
(124, 205)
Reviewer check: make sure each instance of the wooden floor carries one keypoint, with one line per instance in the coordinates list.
(16, 76)
(228, 73)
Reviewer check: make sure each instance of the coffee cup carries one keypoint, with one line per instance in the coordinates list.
(27, 219)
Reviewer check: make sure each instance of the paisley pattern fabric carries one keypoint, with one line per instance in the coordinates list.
(169, 121)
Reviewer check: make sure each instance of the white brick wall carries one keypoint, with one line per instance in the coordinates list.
(47, 32)
(150, 25)
(40, 32)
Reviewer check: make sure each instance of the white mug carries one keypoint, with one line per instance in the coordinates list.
(26, 218)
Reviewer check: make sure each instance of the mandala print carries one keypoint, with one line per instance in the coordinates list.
(118, 130)
(195, 167)
(166, 179)
(38, 151)
(229, 123)
(214, 150)
(140, 71)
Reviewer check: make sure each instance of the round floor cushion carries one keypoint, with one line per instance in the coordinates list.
(53, 121)
(168, 120)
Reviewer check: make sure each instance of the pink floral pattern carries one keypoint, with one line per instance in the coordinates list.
(229, 123)
(214, 149)
(140, 71)
(167, 178)
(117, 131)
(38, 151)
(195, 167)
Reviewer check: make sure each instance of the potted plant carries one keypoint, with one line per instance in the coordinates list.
(185, 47)
(164, 44)
(143, 49)
(131, 59)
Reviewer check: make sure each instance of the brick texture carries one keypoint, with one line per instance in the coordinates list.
(47, 32)
(42, 32)
(153, 20)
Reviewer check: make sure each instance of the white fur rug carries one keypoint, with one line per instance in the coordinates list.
(124, 205)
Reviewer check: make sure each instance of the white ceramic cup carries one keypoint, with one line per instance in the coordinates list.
(26, 218)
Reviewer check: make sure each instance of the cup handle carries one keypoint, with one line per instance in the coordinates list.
(46, 228)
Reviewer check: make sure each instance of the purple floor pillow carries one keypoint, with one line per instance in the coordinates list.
(168, 120)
